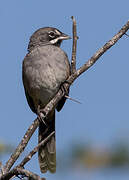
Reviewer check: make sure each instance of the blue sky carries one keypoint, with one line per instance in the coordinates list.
(103, 116)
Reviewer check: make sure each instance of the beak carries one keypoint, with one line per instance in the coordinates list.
(64, 36)
(61, 37)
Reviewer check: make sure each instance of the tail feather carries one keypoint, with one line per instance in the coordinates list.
(47, 153)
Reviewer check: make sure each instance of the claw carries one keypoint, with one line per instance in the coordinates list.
(41, 115)
(65, 89)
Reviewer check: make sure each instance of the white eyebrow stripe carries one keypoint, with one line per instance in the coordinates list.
(57, 32)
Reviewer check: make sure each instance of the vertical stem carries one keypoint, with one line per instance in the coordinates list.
(74, 48)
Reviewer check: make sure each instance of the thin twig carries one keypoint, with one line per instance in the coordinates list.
(1, 169)
(74, 48)
(99, 53)
(20, 171)
(68, 97)
(20, 148)
(29, 156)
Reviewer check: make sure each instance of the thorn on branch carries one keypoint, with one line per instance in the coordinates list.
(68, 97)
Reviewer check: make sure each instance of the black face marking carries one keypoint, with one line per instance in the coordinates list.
(52, 34)
(45, 36)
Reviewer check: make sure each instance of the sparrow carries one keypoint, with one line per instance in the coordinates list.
(45, 68)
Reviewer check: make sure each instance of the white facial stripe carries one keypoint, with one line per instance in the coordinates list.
(55, 40)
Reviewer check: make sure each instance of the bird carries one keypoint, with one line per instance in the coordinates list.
(45, 68)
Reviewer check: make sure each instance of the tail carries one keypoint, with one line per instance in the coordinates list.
(47, 153)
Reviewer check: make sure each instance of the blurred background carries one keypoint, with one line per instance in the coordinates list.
(92, 138)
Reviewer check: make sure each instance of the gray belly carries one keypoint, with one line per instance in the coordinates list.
(45, 85)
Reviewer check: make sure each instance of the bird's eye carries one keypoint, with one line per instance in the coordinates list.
(51, 34)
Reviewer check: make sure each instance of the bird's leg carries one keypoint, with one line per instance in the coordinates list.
(64, 88)
(65, 91)
(41, 115)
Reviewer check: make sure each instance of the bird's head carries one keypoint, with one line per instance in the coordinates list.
(47, 36)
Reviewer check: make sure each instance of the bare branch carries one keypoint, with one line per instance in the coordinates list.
(1, 169)
(20, 148)
(20, 171)
(29, 156)
(102, 50)
(74, 48)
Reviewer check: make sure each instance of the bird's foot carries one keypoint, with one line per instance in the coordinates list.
(41, 115)
(64, 88)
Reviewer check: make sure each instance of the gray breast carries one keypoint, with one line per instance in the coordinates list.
(46, 68)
